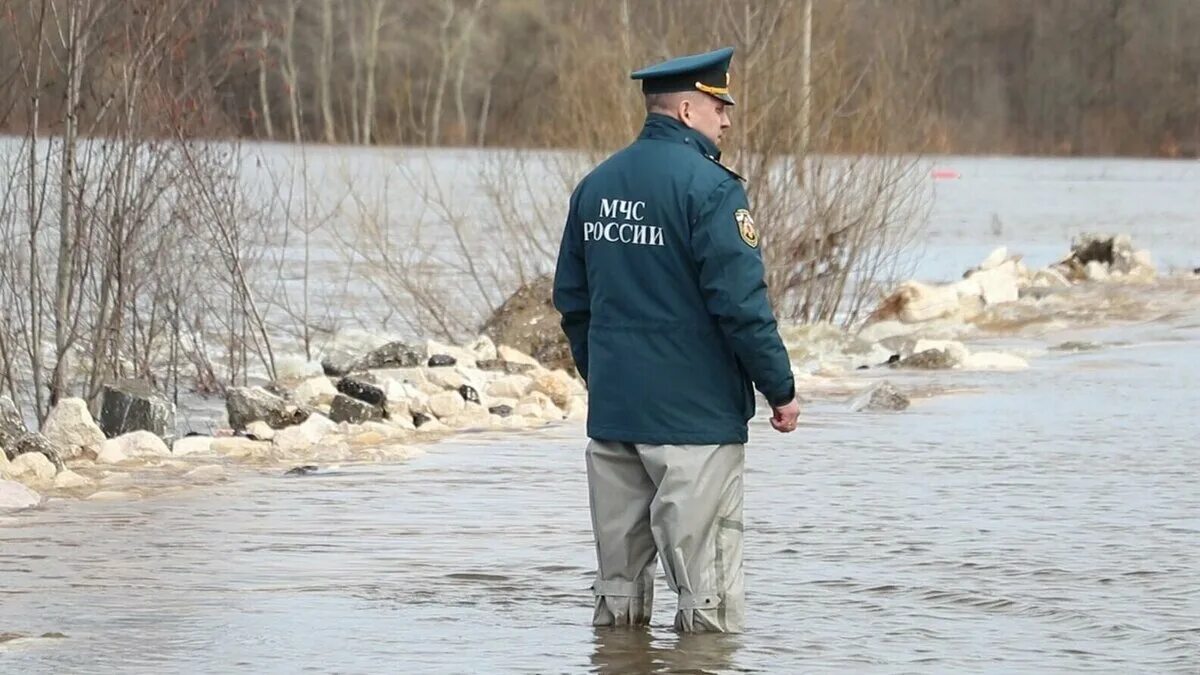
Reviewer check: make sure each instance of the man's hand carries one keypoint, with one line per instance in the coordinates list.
(785, 416)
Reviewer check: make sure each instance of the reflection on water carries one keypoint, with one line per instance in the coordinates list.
(1046, 521)
(639, 651)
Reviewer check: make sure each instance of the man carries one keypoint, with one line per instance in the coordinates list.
(660, 286)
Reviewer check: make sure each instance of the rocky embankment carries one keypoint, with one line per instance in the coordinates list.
(929, 327)
(378, 406)
(384, 401)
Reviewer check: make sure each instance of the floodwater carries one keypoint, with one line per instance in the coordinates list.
(1045, 520)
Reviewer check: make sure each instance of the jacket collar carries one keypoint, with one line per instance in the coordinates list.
(666, 128)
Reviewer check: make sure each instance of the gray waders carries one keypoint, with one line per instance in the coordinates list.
(683, 502)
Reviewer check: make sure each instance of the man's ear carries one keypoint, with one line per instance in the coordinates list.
(685, 111)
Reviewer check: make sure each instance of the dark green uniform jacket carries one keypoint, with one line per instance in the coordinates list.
(660, 286)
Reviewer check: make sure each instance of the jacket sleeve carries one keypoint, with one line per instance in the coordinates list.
(571, 297)
(731, 279)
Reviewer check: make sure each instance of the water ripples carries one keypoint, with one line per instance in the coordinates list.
(1048, 523)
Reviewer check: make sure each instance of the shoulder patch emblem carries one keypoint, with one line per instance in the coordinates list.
(745, 225)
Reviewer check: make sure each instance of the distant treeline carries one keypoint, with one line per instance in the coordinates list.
(1072, 77)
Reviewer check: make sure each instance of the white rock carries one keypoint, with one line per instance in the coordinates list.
(303, 436)
(476, 378)
(14, 495)
(528, 410)
(404, 423)
(192, 445)
(33, 464)
(994, 361)
(999, 284)
(1050, 278)
(70, 426)
(260, 430)
(111, 454)
(915, 302)
(446, 404)
(137, 444)
(510, 386)
(431, 389)
(483, 348)
(577, 408)
(511, 355)
(294, 367)
(446, 378)
(472, 417)
(462, 357)
(372, 433)
(315, 391)
(1143, 259)
(501, 400)
(432, 427)
(396, 390)
(238, 447)
(538, 404)
(956, 350)
(412, 376)
(419, 403)
(399, 413)
(994, 259)
(68, 479)
(1097, 271)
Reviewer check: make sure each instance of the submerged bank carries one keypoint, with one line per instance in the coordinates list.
(374, 401)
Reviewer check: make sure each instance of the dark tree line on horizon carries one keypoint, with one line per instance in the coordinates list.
(1069, 77)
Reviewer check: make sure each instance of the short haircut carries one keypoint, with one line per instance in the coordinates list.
(665, 103)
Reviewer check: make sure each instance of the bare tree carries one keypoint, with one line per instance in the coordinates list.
(325, 71)
(264, 44)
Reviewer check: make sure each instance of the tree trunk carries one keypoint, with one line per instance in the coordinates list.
(265, 46)
(484, 109)
(356, 67)
(291, 76)
(76, 43)
(324, 70)
(435, 118)
(372, 58)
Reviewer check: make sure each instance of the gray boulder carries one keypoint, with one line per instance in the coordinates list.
(35, 442)
(12, 425)
(133, 405)
(469, 394)
(14, 496)
(527, 321)
(930, 359)
(881, 397)
(251, 404)
(502, 366)
(349, 409)
(363, 390)
(390, 355)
